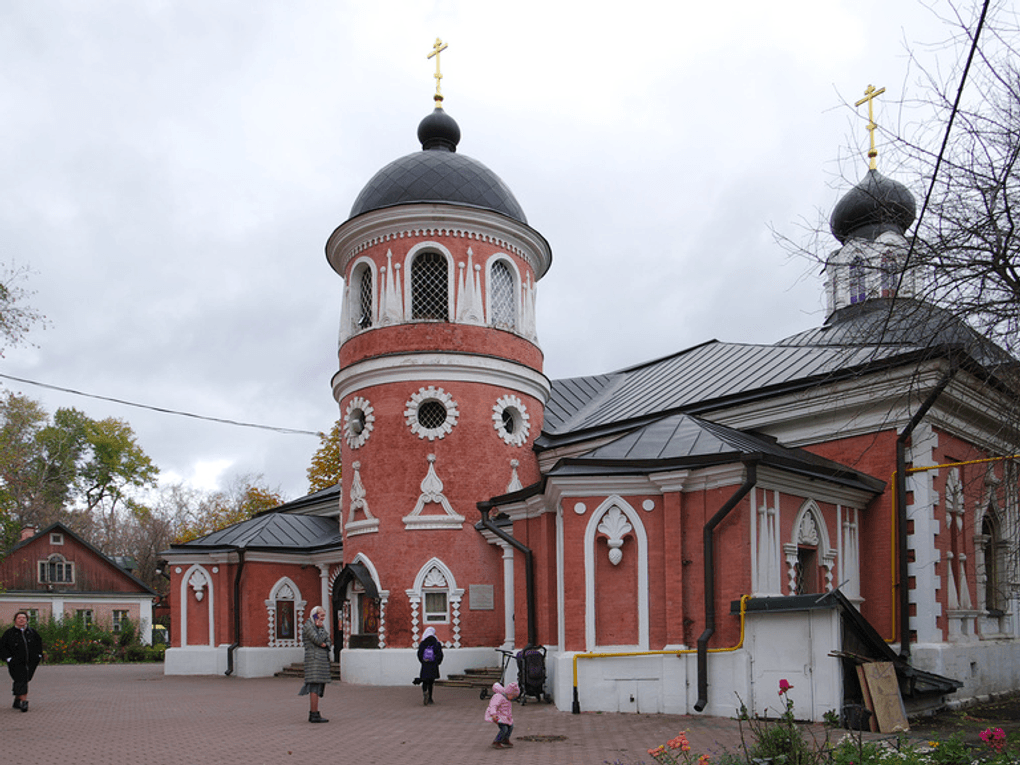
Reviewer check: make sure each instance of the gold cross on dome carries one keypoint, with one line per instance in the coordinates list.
(439, 47)
(869, 96)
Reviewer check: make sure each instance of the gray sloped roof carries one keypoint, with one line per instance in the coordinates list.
(681, 440)
(282, 532)
(869, 335)
(710, 372)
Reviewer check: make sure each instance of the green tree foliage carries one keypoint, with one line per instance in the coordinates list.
(325, 470)
(70, 468)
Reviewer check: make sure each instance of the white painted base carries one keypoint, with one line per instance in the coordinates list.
(983, 666)
(398, 666)
(248, 662)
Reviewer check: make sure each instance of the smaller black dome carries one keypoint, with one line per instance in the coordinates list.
(875, 205)
(439, 131)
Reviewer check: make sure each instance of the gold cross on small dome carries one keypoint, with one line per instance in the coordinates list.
(869, 96)
(436, 50)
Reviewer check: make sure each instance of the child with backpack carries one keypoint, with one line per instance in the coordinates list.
(501, 712)
(430, 656)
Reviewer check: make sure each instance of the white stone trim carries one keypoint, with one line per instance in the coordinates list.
(357, 440)
(522, 418)
(440, 367)
(186, 585)
(285, 589)
(641, 537)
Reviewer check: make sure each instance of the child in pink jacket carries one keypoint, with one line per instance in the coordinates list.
(501, 712)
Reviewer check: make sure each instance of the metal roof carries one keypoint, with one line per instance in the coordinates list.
(273, 531)
(870, 335)
(682, 440)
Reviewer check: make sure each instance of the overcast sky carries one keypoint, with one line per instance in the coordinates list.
(170, 171)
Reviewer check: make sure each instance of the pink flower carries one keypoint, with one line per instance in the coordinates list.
(996, 739)
(784, 686)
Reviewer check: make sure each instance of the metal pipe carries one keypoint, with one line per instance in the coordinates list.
(529, 577)
(237, 613)
(709, 538)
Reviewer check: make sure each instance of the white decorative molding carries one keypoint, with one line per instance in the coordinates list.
(197, 573)
(359, 421)
(515, 481)
(432, 493)
(436, 365)
(469, 292)
(285, 589)
(512, 405)
(614, 525)
(641, 596)
(419, 220)
(580, 508)
(359, 502)
(435, 576)
(392, 310)
(423, 396)
(198, 581)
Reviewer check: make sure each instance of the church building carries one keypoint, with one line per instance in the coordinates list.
(679, 535)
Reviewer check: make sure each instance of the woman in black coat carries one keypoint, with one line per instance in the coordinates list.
(21, 647)
(430, 656)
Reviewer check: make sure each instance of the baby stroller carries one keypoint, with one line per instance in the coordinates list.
(531, 673)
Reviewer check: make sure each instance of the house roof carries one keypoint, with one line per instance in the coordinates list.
(92, 548)
(274, 531)
(325, 499)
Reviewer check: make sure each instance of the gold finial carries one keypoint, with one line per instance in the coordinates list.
(436, 50)
(869, 95)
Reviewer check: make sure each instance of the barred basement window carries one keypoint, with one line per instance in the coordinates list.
(503, 311)
(429, 287)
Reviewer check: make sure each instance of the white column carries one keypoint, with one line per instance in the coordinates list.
(324, 586)
(508, 596)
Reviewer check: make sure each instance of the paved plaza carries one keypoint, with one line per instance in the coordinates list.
(132, 714)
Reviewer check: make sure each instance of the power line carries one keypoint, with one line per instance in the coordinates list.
(161, 410)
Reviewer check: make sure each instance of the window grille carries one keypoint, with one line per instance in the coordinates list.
(429, 287)
(503, 311)
(364, 312)
(858, 291)
(431, 414)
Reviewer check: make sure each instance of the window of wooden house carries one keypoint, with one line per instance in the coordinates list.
(120, 618)
(56, 570)
(84, 617)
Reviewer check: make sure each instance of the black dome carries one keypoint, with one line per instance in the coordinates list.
(438, 174)
(875, 205)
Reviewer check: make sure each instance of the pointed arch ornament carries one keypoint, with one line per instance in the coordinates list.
(435, 575)
(285, 589)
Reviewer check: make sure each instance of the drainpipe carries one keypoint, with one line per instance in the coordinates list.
(900, 498)
(709, 531)
(529, 576)
(237, 613)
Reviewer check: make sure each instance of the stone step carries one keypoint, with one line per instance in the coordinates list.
(297, 669)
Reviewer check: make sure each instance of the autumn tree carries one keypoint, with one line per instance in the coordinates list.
(325, 470)
(17, 316)
(245, 497)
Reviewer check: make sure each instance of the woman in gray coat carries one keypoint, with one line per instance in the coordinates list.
(317, 672)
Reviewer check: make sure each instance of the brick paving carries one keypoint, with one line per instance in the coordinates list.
(131, 714)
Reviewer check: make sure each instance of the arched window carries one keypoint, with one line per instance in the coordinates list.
(890, 276)
(992, 548)
(56, 570)
(503, 311)
(429, 287)
(858, 290)
(362, 295)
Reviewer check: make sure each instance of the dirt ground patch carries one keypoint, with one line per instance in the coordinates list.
(1001, 712)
